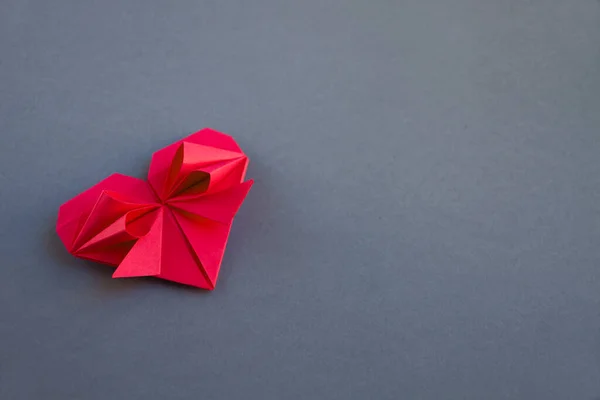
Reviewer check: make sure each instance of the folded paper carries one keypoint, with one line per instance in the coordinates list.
(173, 226)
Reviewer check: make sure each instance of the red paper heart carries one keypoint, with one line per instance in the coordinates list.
(175, 225)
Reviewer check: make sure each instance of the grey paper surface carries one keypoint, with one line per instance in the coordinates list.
(424, 222)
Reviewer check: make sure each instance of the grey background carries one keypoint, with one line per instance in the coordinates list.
(425, 218)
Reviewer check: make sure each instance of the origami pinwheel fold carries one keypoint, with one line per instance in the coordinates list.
(175, 225)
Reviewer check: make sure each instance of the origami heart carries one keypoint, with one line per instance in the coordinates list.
(173, 226)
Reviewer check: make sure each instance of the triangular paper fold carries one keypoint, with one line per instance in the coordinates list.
(207, 239)
(181, 262)
(74, 212)
(220, 207)
(145, 259)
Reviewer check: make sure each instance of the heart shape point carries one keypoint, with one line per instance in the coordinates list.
(173, 226)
